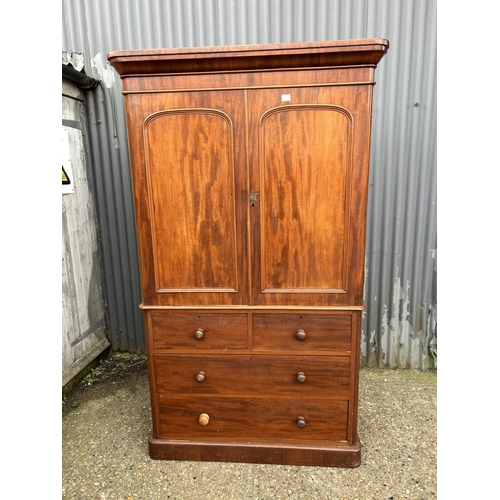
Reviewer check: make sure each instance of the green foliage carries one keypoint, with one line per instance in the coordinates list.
(90, 378)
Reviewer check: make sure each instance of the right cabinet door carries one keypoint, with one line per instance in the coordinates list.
(309, 153)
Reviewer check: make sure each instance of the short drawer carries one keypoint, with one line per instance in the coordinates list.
(302, 332)
(292, 376)
(264, 419)
(204, 331)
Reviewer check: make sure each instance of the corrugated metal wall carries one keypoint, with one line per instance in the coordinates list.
(400, 322)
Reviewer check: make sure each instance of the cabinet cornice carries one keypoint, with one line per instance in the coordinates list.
(366, 52)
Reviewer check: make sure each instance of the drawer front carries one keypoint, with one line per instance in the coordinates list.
(257, 419)
(319, 332)
(203, 331)
(305, 376)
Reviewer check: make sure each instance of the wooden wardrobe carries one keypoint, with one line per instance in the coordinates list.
(250, 174)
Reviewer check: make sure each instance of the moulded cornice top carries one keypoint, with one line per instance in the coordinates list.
(329, 53)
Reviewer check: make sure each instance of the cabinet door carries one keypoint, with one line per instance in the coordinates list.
(309, 170)
(190, 178)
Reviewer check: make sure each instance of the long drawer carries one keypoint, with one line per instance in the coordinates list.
(276, 419)
(201, 331)
(302, 332)
(304, 376)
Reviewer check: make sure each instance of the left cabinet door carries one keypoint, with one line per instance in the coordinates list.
(189, 170)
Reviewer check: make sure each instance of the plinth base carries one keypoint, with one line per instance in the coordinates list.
(264, 453)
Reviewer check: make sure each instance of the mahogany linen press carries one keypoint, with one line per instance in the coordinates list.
(250, 173)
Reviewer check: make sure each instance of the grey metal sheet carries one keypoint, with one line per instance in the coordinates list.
(399, 326)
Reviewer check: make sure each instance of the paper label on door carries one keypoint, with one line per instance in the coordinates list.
(286, 97)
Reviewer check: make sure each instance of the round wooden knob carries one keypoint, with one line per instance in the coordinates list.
(198, 334)
(301, 334)
(301, 377)
(301, 422)
(200, 377)
(203, 419)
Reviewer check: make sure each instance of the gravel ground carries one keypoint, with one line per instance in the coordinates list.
(106, 422)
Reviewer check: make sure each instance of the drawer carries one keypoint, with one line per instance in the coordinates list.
(292, 376)
(252, 418)
(176, 330)
(326, 332)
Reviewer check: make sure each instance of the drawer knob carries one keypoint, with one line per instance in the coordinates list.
(200, 377)
(203, 419)
(198, 334)
(301, 422)
(301, 334)
(301, 377)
